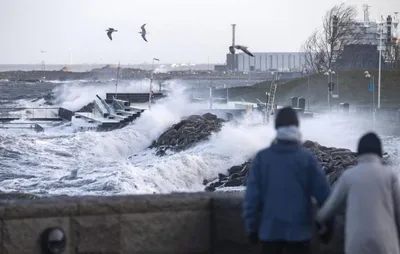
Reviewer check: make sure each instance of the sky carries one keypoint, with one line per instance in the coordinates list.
(180, 31)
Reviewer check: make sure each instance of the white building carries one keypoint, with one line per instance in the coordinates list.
(267, 61)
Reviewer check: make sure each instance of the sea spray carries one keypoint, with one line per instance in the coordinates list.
(37, 162)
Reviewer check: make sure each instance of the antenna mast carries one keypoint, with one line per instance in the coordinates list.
(233, 44)
(366, 14)
(116, 84)
(395, 25)
(70, 56)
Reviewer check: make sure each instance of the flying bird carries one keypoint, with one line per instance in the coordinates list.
(143, 32)
(232, 49)
(110, 31)
(244, 49)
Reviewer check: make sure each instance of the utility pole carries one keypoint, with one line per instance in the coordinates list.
(329, 73)
(70, 56)
(380, 32)
(368, 76)
(116, 84)
(44, 64)
(151, 81)
(308, 92)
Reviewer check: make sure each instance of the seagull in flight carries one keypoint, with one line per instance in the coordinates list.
(244, 49)
(143, 32)
(110, 31)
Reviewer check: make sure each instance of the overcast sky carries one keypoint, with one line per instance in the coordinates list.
(179, 30)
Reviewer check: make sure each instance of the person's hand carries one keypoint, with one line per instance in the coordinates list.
(253, 238)
(325, 231)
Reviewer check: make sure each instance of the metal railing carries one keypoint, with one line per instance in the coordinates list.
(116, 104)
(30, 113)
(33, 126)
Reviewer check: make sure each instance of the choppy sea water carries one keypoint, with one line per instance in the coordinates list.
(62, 160)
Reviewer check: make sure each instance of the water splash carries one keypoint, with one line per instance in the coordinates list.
(38, 162)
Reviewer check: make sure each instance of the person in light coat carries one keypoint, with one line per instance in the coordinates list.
(371, 193)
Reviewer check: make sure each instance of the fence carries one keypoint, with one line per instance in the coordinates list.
(33, 126)
(29, 113)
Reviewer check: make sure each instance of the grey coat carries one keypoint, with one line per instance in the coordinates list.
(371, 193)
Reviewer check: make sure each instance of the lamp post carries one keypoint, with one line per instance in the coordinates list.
(329, 73)
(267, 95)
(337, 83)
(308, 89)
(380, 33)
(368, 76)
(151, 81)
(43, 64)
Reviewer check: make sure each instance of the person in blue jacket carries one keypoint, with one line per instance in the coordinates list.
(280, 186)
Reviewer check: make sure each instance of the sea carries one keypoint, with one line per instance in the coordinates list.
(64, 160)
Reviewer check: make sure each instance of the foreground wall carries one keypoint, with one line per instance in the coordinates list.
(174, 223)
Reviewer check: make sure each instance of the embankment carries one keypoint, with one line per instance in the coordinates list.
(173, 223)
(351, 85)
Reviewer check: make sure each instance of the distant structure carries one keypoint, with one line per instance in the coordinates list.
(267, 61)
(363, 51)
(262, 61)
(231, 59)
(70, 56)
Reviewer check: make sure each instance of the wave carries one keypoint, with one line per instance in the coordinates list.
(38, 162)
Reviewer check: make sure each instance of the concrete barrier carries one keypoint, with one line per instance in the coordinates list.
(294, 102)
(173, 223)
(302, 103)
(65, 114)
(134, 97)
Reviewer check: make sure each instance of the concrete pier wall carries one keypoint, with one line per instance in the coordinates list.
(173, 223)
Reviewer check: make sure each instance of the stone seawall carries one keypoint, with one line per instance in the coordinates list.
(173, 223)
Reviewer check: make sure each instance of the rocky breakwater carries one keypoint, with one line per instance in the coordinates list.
(333, 160)
(187, 133)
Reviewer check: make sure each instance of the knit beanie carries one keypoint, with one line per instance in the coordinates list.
(370, 143)
(286, 116)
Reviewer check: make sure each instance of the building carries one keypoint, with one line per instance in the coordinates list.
(363, 50)
(265, 61)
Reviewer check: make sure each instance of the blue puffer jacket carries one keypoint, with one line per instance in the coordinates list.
(280, 183)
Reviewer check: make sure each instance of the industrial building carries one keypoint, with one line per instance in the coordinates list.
(268, 61)
(371, 37)
(262, 61)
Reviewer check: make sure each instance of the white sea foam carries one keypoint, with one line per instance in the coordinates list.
(37, 162)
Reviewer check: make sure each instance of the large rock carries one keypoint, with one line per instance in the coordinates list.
(333, 161)
(187, 133)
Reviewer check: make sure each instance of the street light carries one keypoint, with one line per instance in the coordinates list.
(266, 106)
(43, 64)
(308, 89)
(367, 75)
(329, 73)
(151, 81)
(380, 33)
